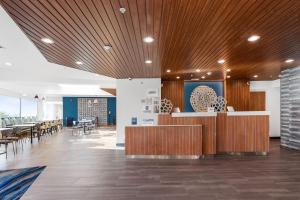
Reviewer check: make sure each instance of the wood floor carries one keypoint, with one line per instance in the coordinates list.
(89, 168)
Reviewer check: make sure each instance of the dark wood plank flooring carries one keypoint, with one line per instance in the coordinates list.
(80, 168)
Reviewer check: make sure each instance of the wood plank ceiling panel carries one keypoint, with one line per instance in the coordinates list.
(189, 35)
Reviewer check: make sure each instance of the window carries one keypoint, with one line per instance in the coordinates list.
(28, 108)
(9, 106)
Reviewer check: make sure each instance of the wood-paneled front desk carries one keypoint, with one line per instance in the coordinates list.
(182, 134)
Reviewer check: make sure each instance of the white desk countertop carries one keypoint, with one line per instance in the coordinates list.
(5, 129)
(24, 125)
(194, 114)
(214, 114)
(141, 125)
(248, 113)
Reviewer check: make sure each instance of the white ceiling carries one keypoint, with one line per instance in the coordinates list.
(31, 74)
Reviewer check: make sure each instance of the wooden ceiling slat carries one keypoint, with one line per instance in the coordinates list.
(97, 31)
(119, 22)
(188, 34)
(111, 35)
(136, 20)
(71, 36)
(61, 40)
(213, 41)
(157, 18)
(36, 35)
(166, 28)
(235, 35)
(71, 16)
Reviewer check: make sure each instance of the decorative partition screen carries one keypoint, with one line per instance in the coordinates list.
(90, 108)
(290, 108)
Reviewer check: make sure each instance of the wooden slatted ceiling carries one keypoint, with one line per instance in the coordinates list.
(189, 35)
(111, 91)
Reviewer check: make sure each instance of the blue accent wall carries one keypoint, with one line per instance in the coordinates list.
(70, 108)
(111, 110)
(217, 86)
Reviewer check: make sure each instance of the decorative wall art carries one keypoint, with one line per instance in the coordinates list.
(151, 102)
(219, 104)
(202, 97)
(166, 106)
(189, 86)
(88, 108)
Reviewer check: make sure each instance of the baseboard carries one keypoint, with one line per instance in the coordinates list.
(276, 137)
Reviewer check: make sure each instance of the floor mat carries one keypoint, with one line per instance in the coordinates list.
(14, 183)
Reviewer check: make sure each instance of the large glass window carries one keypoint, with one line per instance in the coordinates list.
(29, 108)
(9, 106)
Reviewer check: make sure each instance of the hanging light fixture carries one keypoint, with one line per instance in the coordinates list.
(36, 96)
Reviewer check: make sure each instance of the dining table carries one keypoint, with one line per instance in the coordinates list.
(31, 126)
(85, 122)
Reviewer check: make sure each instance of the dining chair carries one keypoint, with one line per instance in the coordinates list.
(5, 142)
(77, 127)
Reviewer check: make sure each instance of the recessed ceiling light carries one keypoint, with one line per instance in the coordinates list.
(289, 60)
(79, 62)
(178, 77)
(253, 38)
(47, 40)
(228, 70)
(255, 76)
(148, 61)
(198, 70)
(122, 10)
(8, 64)
(221, 61)
(168, 70)
(228, 76)
(148, 39)
(208, 73)
(24, 95)
(107, 47)
(203, 77)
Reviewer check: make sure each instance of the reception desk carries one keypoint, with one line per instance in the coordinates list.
(206, 119)
(242, 132)
(231, 132)
(164, 141)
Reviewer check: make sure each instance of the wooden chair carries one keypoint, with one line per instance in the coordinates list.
(5, 142)
(11, 136)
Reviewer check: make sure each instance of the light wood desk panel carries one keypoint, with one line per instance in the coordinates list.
(209, 128)
(163, 140)
(242, 133)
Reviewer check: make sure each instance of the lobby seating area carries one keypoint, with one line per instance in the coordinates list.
(15, 131)
(84, 127)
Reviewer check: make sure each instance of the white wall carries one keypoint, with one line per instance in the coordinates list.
(50, 109)
(272, 89)
(129, 96)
